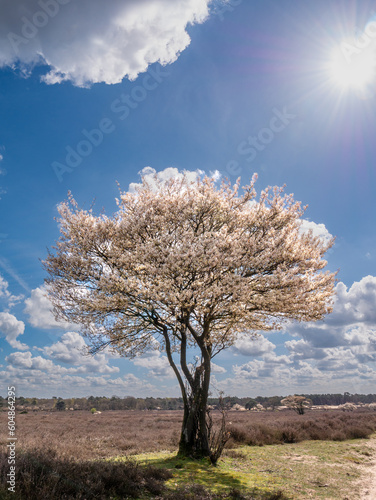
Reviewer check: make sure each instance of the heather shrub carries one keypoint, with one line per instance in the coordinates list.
(78, 434)
(41, 474)
(338, 436)
(356, 432)
(239, 435)
(283, 428)
(290, 435)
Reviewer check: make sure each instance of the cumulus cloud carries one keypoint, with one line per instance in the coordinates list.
(352, 319)
(344, 345)
(94, 41)
(30, 369)
(154, 178)
(32, 379)
(262, 374)
(157, 365)
(260, 377)
(217, 369)
(71, 349)
(317, 230)
(356, 304)
(358, 343)
(339, 350)
(39, 309)
(302, 349)
(5, 294)
(11, 328)
(25, 360)
(253, 346)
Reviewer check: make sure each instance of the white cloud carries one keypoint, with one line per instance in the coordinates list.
(335, 353)
(4, 288)
(260, 377)
(352, 319)
(263, 376)
(11, 328)
(302, 349)
(358, 343)
(343, 347)
(25, 360)
(90, 365)
(6, 295)
(154, 178)
(217, 369)
(318, 334)
(39, 309)
(21, 359)
(253, 346)
(317, 230)
(95, 41)
(356, 304)
(40, 378)
(71, 349)
(157, 365)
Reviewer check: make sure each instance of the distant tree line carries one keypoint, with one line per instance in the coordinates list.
(102, 403)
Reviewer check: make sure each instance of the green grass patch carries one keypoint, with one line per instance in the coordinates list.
(309, 469)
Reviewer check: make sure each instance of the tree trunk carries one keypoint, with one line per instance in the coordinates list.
(194, 439)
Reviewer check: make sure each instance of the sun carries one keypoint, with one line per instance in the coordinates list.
(354, 71)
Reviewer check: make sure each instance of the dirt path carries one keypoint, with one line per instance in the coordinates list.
(368, 481)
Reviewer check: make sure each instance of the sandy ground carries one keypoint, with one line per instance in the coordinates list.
(368, 481)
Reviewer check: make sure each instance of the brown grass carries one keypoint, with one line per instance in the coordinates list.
(287, 427)
(81, 435)
(59, 453)
(84, 436)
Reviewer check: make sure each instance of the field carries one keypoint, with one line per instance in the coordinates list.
(132, 454)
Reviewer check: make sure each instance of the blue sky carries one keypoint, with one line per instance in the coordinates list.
(91, 93)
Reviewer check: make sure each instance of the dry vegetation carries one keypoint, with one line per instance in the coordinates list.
(60, 450)
(81, 435)
(288, 427)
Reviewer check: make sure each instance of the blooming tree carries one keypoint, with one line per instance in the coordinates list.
(187, 267)
(297, 403)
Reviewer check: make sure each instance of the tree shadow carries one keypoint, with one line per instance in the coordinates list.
(190, 473)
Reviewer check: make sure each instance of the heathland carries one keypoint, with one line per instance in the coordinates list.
(132, 454)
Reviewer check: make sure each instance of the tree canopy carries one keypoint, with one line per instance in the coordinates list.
(187, 264)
